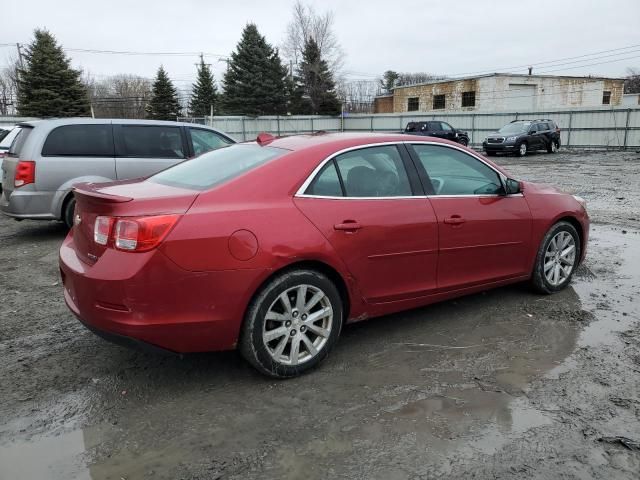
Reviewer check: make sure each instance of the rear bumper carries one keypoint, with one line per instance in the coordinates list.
(145, 299)
(27, 204)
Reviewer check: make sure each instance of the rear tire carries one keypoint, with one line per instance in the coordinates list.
(68, 211)
(557, 258)
(552, 147)
(292, 324)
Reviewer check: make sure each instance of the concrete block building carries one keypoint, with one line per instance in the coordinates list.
(502, 92)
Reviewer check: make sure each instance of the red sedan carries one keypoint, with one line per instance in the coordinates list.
(272, 246)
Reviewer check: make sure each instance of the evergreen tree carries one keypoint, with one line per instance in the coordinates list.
(164, 104)
(48, 86)
(318, 81)
(254, 83)
(204, 94)
(298, 103)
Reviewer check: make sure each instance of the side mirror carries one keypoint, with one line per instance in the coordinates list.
(531, 132)
(512, 186)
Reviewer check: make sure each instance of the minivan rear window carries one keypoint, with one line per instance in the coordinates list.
(18, 142)
(79, 141)
(216, 167)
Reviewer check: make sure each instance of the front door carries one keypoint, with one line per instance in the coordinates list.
(484, 235)
(363, 203)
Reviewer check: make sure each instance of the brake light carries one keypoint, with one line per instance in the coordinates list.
(102, 230)
(25, 173)
(133, 234)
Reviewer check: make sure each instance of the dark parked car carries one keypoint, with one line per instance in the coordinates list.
(522, 136)
(437, 129)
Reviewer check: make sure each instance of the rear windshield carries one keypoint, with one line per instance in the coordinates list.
(18, 142)
(216, 167)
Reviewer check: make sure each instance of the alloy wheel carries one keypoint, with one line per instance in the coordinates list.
(523, 149)
(297, 325)
(559, 258)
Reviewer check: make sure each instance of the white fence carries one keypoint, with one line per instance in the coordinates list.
(612, 128)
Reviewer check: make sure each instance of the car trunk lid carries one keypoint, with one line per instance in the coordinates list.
(132, 198)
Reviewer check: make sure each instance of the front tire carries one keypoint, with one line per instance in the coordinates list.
(557, 258)
(292, 324)
(522, 150)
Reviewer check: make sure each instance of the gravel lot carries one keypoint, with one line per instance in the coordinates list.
(504, 384)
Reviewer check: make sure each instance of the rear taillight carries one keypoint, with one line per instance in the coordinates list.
(102, 230)
(133, 234)
(25, 173)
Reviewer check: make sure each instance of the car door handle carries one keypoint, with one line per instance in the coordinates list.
(454, 220)
(348, 226)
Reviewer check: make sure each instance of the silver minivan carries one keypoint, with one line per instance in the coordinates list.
(48, 157)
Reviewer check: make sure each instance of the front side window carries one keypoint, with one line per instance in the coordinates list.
(206, 140)
(438, 102)
(152, 141)
(434, 126)
(373, 172)
(453, 172)
(79, 141)
(216, 167)
(413, 104)
(446, 127)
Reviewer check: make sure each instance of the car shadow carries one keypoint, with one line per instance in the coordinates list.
(36, 231)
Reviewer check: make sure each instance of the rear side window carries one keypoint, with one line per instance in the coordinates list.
(373, 172)
(19, 141)
(216, 167)
(152, 141)
(79, 141)
(326, 183)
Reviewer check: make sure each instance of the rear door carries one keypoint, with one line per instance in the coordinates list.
(484, 235)
(142, 150)
(364, 204)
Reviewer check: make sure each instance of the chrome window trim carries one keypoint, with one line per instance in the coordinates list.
(312, 175)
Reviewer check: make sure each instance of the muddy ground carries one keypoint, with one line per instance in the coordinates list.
(504, 384)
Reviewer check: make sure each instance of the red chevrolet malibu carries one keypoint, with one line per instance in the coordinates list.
(272, 246)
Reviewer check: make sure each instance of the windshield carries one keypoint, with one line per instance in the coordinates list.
(216, 167)
(515, 127)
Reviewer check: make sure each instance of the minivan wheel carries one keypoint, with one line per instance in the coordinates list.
(522, 151)
(292, 324)
(69, 209)
(557, 258)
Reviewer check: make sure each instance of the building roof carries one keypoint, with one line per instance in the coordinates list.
(498, 74)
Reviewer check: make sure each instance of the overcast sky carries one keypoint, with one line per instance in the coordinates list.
(442, 37)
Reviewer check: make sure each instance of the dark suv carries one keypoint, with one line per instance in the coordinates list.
(522, 136)
(437, 129)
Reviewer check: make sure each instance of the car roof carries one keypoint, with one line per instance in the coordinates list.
(341, 140)
(54, 122)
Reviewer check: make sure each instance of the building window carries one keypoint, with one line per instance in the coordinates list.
(606, 97)
(438, 102)
(468, 99)
(413, 104)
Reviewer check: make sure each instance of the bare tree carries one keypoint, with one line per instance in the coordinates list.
(9, 88)
(357, 95)
(632, 82)
(119, 96)
(307, 23)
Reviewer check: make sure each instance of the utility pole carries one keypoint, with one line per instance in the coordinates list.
(291, 70)
(19, 47)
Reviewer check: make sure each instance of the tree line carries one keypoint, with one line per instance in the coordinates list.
(256, 82)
